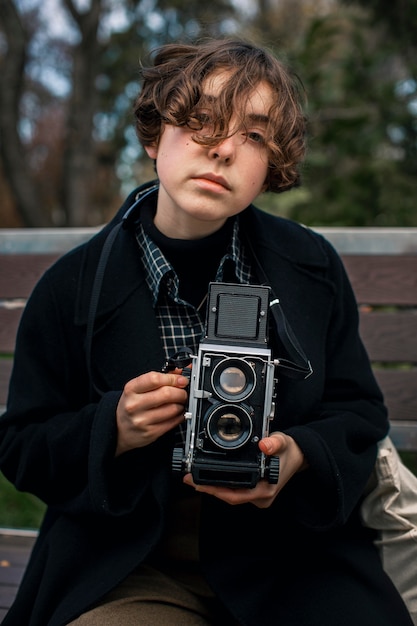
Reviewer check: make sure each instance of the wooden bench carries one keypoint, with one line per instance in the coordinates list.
(381, 263)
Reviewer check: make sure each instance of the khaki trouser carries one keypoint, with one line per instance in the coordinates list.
(148, 597)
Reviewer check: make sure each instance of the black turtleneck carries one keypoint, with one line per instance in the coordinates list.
(195, 261)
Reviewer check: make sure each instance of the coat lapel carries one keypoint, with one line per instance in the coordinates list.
(126, 340)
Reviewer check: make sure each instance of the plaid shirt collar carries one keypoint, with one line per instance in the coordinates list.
(158, 269)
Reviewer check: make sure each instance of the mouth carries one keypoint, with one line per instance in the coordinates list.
(213, 180)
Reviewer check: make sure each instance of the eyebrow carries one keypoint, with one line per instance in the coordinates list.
(254, 118)
(258, 118)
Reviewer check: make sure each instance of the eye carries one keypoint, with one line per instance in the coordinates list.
(256, 137)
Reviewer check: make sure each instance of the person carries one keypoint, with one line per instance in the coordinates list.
(92, 416)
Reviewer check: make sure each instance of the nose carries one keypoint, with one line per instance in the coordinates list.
(225, 150)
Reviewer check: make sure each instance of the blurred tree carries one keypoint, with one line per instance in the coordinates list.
(361, 164)
(398, 22)
(78, 155)
(12, 67)
(27, 104)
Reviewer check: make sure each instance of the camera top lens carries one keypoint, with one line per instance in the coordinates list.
(233, 379)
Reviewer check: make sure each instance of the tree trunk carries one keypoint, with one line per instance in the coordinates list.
(13, 154)
(79, 158)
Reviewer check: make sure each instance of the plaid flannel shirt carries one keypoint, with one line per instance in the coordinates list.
(180, 323)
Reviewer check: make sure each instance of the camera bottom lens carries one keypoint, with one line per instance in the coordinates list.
(229, 426)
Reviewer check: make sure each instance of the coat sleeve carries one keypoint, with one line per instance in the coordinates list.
(54, 442)
(339, 434)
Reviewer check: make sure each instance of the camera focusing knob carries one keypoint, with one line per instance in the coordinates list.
(180, 360)
(177, 460)
(273, 470)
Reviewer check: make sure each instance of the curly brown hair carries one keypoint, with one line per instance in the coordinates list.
(172, 90)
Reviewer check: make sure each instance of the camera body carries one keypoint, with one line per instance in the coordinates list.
(231, 393)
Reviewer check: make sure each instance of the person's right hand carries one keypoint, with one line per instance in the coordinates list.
(149, 406)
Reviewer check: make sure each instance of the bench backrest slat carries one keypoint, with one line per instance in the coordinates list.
(9, 321)
(382, 280)
(20, 272)
(390, 337)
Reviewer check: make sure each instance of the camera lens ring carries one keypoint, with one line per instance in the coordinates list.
(229, 426)
(233, 379)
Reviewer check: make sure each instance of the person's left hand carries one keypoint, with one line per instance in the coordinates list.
(291, 461)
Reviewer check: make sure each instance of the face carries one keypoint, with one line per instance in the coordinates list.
(201, 186)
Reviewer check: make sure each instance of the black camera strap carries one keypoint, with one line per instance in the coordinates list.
(294, 364)
(297, 366)
(99, 276)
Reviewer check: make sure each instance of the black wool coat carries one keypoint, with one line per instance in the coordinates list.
(304, 561)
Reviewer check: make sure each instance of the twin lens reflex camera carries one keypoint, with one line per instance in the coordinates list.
(232, 392)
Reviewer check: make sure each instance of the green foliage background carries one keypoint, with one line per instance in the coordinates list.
(18, 510)
(361, 82)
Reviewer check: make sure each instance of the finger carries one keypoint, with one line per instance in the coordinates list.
(154, 380)
(140, 396)
(157, 427)
(166, 413)
(273, 444)
(163, 402)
